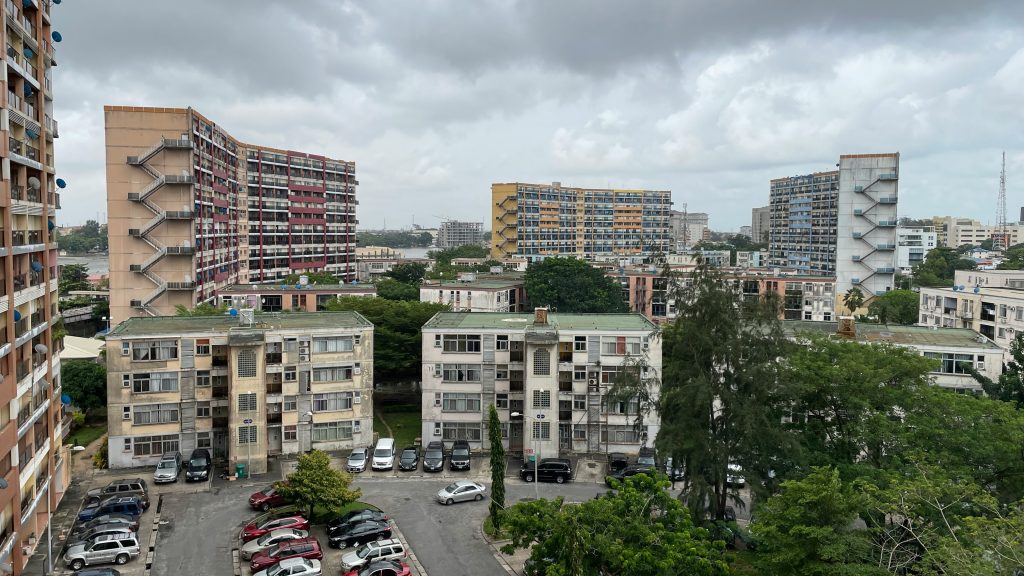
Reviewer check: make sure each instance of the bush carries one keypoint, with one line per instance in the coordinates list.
(77, 420)
(99, 459)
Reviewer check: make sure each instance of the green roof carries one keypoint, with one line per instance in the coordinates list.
(901, 335)
(487, 283)
(519, 321)
(175, 325)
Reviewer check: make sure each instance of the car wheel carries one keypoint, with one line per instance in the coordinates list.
(77, 565)
(265, 507)
(448, 502)
(121, 559)
(560, 479)
(479, 497)
(528, 477)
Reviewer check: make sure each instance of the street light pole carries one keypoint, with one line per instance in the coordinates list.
(49, 520)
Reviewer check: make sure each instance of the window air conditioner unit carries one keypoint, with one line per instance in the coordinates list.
(980, 366)
(303, 357)
(357, 370)
(357, 398)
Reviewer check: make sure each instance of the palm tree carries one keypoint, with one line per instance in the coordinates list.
(853, 299)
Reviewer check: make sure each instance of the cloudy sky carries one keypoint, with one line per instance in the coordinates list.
(435, 100)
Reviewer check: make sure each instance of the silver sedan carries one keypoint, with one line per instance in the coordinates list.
(461, 491)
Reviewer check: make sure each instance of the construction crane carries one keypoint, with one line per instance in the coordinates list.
(1002, 235)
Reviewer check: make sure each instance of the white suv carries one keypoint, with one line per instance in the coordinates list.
(371, 552)
(117, 548)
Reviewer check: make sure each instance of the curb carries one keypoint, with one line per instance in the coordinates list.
(412, 555)
(497, 553)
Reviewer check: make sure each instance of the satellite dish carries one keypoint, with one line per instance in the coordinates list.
(56, 36)
(65, 399)
(33, 182)
(61, 183)
(41, 348)
(233, 312)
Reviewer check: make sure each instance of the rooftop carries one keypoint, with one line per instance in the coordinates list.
(176, 325)
(514, 321)
(332, 288)
(480, 283)
(900, 335)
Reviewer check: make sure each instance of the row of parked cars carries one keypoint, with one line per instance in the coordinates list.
(620, 466)
(106, 530)
(433, 457)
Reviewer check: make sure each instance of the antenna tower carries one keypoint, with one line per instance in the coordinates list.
(1003, 233)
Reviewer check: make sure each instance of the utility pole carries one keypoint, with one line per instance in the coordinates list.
(1003, 232)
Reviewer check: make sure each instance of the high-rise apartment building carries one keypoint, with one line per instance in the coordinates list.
(688, 228)
(192, 210)
(537, 220)
(803, 223)
(912, 245)
(760, 223)
(245, 387)
(34, 468)
(453, 233)
(866, 244)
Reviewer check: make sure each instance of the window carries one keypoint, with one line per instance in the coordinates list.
(247, 363)
(953, 363)
(289, 374)
(333, 344)
(579, 373)
(623, 408)
(332, 402)
(619, 434)
(609, 374)
(542, 430)
(247, 435)
(125, 348)
(461, 343)
(202, 378)
(203, 347)
(202, 409)
(291, 433)
(289, 404)
(541, 362)
(542, 399)
(154, 414)
(579, 402)
(579, 344)
(332, 431)
(501, 342)
(155, 445)
(144, 383)
(203, 440)
(501, 401)
(460, 431)
(460, 372)
(332, 374)
(460, 402)
(501, 372)
(579, 432)
(127, 444)
(247, 402)
(154, 350)
(620, 345)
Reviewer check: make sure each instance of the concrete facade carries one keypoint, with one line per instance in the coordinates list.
(550, 370)
(912, 245)
(760, 224)
(688, 228)
(990, 302)
(453, 233)
(278, 385)
(289, 298)
(473, 292)
(803, 223)
(866, 239)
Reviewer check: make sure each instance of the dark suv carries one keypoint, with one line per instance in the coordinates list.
(199, 465)
(548, 469)
(459, 459)
(433, 457)
(126, 487)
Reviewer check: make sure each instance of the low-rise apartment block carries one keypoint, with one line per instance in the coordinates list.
(289, 297)
(990, 302)
(473, 292)
(246, 387)
(913, 245)
(547, 374)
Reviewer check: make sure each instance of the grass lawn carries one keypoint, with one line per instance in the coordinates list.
(86, 434)
(404, 420)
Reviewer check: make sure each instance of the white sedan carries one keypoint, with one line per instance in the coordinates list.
(293, 567)
(461, 491)
(250, 548)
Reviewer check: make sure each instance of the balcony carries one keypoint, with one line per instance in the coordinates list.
(887, 176)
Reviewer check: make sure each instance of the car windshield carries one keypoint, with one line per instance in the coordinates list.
(451, 488)
(433, 454)
(363, 552)
(356, 456)
(381, 453)
(268, 491)
(408, 455)
(197, 462)
(460, 452)
(264, 539)
(649, 460)
(273, 570)
(165, 465)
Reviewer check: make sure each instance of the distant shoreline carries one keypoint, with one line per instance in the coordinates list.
(85, 254)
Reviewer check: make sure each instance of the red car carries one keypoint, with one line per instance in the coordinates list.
(300, 548)
(382, 568)
(266, 499)
(253, 531)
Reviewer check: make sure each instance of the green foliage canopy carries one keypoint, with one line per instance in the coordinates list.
(570, 285)
(896, 307)
(314, 483)
(85, 382)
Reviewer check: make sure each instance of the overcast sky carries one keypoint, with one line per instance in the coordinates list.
(434, 100)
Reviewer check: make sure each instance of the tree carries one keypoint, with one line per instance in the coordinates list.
(807, 529)
(411, 273)
(395, 239)
(391, 289)
(639, 530)
(939, 266)
(85, 382)
(720, 401)
(1010, 385)
(396, 333)
(73, 277)
(573, 286)
(444, 257)
(312, 277)
(201, 309)
(853, 299)
(314, 483)
(497, 467)
(896, 306)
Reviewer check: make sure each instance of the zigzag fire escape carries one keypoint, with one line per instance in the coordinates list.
(875, 224)
(159, 216)
(507, 229)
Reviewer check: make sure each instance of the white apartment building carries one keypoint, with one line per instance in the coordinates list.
(866, 238)
(547, 375)
(752, 259)
(990, 302)
(912, 245)
(477, 293)
(247, 387)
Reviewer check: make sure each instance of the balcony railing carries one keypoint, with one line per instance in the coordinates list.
(16, 193)
(15, 145)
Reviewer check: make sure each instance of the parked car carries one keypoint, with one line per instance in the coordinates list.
(116, 548)
(674, 471)
(410, 459)
(257, 529)
(199, 465)
(124, 487)
(168, 468)
(734, 475)
(356, 460)
(355, 517)
(631, 470)
(98, 572)
(292, 567)
(267, 498)
(384, 455)
(128, 505)
(106, 519)
(371, 552)
(647, 457)
(461, 491)
(358, 533)
(102, 530)
(460, 456)
(617, 462)
(267, 541)
(433, 458)
(299, 548)
(382, 568)
(547, 470)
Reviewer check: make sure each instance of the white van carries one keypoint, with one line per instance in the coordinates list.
(384, 455)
